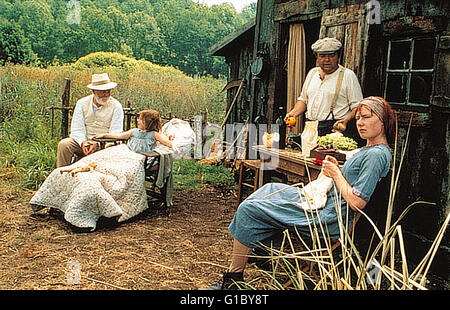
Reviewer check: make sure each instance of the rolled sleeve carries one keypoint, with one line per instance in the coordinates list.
(360, 194)
(372, 169)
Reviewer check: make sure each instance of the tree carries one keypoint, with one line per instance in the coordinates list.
(167, 32)
(14, 46)
(248, 12)
(146, 38)
(95, 33)
(194, 30)
(120, 26)
(36, 21)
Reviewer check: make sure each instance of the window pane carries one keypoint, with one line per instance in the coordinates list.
(396, 88)
(424, 53)
(400, 55)
(420, 90)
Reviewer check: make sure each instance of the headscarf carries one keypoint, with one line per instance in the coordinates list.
(376, 105)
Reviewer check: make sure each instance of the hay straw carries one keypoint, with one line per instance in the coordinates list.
(108, 284)
(170, 268)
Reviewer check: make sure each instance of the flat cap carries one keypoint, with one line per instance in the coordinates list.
(326, 45)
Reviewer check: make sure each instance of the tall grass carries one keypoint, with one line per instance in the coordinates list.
(143, 85)
(26, 141)
(311, 263)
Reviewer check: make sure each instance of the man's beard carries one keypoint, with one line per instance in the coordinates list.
(101, 100)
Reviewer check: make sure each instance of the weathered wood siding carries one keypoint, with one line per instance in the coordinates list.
(425, 172)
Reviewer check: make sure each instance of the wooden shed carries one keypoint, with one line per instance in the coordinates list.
(399, 50)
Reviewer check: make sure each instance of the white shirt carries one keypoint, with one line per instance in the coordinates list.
(320, 94)
(78, 128)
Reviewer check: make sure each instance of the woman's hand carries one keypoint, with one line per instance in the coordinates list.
(330, 167)
(99, 136)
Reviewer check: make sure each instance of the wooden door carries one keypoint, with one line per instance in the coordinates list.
(348, 25)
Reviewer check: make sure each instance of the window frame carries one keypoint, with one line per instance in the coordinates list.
(409, 71)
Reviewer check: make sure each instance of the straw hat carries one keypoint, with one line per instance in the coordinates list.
(101, 82)
(326, 46)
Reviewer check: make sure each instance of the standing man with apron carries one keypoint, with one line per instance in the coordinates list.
(330, 93)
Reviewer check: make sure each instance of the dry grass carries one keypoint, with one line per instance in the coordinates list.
(161, 88)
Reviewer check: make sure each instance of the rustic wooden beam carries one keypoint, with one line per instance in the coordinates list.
(283, 11)
(343, 18)
(253, 100)
(413, 25)
(65, 112)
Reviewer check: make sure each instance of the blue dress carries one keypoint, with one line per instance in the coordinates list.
(141, 141)
(261, 219)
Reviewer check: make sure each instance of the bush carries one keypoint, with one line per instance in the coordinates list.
(114, 60)
(104, 59)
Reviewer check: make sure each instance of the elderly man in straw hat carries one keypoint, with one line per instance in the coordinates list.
(330, 93)
(94, 114)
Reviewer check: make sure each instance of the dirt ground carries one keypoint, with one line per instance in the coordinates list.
(186, 250)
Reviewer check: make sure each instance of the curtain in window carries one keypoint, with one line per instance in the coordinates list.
(296, 69)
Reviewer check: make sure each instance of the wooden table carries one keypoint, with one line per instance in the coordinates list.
(289, 162)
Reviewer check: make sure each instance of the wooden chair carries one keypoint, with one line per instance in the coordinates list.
(309, 265)
(379, 197)
(334, 244)
(246, 166)
(155, 195)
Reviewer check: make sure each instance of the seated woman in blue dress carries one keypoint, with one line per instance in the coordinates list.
(275, 207)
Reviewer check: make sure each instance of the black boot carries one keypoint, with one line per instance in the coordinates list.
(228, 282)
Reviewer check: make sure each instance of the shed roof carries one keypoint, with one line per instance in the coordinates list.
(235, 39)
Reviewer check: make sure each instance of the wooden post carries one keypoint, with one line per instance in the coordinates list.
(65, 111)
(128, 115)
(204, 124)
(52, 111)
